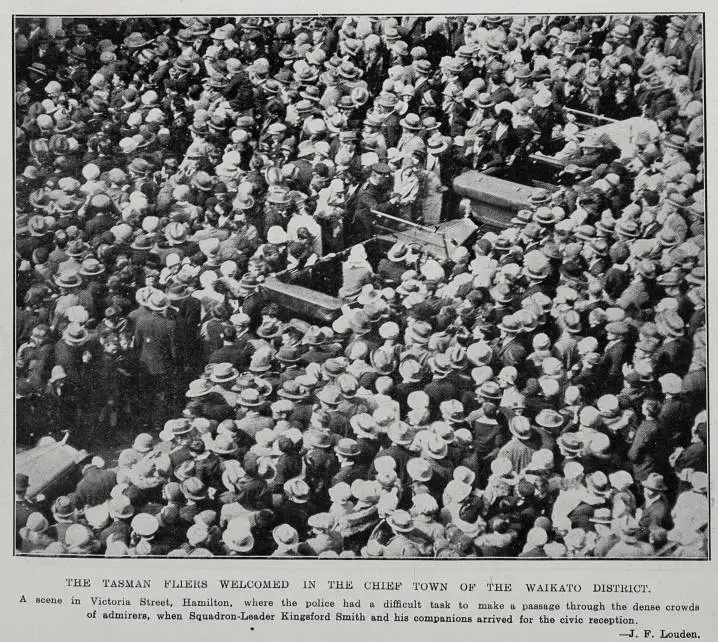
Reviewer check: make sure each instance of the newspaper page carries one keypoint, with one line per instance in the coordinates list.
(360, 320)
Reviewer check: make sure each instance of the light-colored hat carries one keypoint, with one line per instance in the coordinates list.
(120, 507)
(419, 469)
(340, 492)
(621, 480)
(285, 535)
(424, 504)
(297, 490)
(145, 525)
(238, 535)
(520, 427)
(400, 521)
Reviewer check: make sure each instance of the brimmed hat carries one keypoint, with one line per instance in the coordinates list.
(601, 516)
(135, 41)
(68, 279)
(539, 196)
(628, 531)
(143, 443)
(676, 23)
(501, 293)
(398, 252)
(510, 324)
(75, 334)
(363, 424)
(437, 144)
(598, 484)
(175, 428)
(439, 364)
(627, 228)
(288, 354)
(224, 444)
(297, 490)
(120, 507)
(285, 535)
(621, 31)
(436, 447)
(194, 489)
(76, 249)
(419, 469)
(269, 329)
(175, 233)
(549, 419)
(569, 443)
(646, 71)
(81, 30)
(62, 507)
(699, 481)
(520, 427)
(223, 373)
(141, 243)
(347, 448)
(293, 391)
(145, 525)
(411, 122)
(91, 267)
(157, 301)
(250, 398)
(317, 439)
(400, 521)
(198, 388)
(545, 216)
(330, 395)
(399, 433)
(238, 536)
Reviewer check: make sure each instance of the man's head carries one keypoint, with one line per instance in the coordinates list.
(651, 408)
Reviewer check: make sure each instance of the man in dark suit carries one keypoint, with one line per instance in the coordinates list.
(96, 483)
(350, 468)
(319, 349)
(321, 465)
(503, 141)
(435, 42)
(398, 451)
(656, 509)
(648, 452)
(674, 355)
(596, 151)
(374, 194)
(390, 127)
(440, 388)
(674, 45)
(155, 340)
(508, 348)
(100, 219)
(232, 351)
(615, 354)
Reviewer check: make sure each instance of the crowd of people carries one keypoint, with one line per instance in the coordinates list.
(540, 393)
